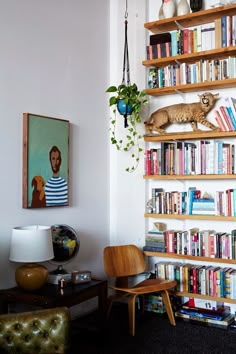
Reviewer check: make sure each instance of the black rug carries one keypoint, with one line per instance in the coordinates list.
(154, 334)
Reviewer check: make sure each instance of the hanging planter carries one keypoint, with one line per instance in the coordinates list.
(124, 108)
(127, 102)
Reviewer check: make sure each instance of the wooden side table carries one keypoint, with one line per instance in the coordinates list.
(52, 296)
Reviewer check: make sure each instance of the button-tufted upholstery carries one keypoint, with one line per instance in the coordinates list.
(36, 332)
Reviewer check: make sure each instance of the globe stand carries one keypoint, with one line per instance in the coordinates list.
(57, 274)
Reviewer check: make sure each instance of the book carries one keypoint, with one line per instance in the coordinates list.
(174, 43)
(215, 315)
(231, 117)
(160, 38)
(225, 322)
(154, 249)
(224, 31)
(152, 81)
(220, 121)
(232, 103)
(218, 33)
(191, 192)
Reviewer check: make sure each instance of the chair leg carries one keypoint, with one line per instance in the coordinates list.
(131, 307)
(109, 306)
(141, 303)
(166, 300)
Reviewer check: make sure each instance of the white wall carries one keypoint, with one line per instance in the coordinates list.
(54, 61)
(127, 190)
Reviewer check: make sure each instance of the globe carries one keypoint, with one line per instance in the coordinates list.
(66, 246)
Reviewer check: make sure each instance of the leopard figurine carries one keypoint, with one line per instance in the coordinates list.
(193, 113)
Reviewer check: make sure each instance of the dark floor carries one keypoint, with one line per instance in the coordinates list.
(154, 334)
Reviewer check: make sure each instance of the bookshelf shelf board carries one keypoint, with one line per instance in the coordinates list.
(193, 258)
(189, 177)
(189, 135)
(190, 217)
(188, 58)
(200, 86)
(207, 297)
(190, 20)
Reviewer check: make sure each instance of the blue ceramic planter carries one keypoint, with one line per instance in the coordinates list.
(123, 108)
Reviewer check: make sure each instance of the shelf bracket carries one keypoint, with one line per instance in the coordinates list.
(177, 62)
(180, 93)
(180, 27)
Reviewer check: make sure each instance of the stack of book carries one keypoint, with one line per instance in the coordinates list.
(155, 241)
(203, 206)
(220, 317)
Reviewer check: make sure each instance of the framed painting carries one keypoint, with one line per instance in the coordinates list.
(45, 161)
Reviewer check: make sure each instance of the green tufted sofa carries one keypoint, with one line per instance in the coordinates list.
(36, 332)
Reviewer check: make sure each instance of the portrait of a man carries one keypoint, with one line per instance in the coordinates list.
(45, 161)
(56, 188)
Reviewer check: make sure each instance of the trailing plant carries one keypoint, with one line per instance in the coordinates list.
(128, 101)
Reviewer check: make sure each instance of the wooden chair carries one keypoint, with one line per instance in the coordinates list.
(127, 260)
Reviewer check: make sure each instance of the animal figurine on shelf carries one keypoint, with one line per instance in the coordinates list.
(193, 113)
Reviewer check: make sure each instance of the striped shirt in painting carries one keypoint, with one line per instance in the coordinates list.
(56, 191)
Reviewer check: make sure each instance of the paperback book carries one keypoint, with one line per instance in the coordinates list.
(224, 323)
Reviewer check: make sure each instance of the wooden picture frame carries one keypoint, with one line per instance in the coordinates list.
(45, 161)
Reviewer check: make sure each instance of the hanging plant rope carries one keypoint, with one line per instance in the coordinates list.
(128, 100)
(124, 108)
(126, 53)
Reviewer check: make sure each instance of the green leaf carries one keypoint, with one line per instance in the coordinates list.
(112, 100)
(111, 89)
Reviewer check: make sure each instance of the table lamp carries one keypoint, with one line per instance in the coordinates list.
(31, 244)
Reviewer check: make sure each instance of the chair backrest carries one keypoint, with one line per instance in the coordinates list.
(41, 331)
(125, 260)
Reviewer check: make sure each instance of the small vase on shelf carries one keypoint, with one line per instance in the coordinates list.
(183, 8)
(195, 5)
(168, 8)
(161, 14)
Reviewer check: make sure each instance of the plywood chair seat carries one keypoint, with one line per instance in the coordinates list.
(123, 261)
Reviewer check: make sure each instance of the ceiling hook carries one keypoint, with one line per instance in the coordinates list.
(126, 9)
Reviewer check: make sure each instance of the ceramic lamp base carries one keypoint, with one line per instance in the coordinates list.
(31, 276)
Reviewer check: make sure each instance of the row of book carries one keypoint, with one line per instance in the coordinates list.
(219, 317)
(193, 242)
(192, 202)
(202, 157)
(202, 70)
(197, 279)
(218, 34)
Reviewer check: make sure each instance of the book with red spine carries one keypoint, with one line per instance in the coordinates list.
(220, 122)
(148, 162)
(211, 245)
(194, 272)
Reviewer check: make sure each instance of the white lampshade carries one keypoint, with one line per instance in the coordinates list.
(31, 244)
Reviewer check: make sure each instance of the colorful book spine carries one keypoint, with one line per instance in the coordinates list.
(226, 117)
